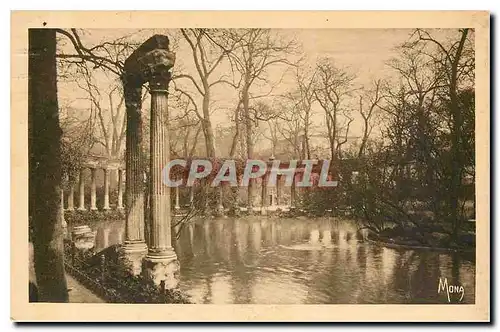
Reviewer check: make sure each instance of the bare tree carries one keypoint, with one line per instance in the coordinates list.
(273, 135)
(373, 96)
(303, 98)
(334, 86)
(107, 109)
(257, 51)
(237, 129)
(209, 49)
(291, 129)
(108, 55)
(85, 66)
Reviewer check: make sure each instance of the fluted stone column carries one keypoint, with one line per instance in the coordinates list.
(106, 189)
(161, 260)
(177, 205)
(71, 197)
(81, 187)
(119, 204)
(93, 199)
(134, 246)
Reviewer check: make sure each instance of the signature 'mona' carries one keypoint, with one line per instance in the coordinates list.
(450, 289)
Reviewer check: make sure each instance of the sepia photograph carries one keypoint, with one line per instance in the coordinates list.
(231, 164)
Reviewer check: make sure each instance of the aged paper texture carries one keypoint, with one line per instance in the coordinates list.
(250, 166)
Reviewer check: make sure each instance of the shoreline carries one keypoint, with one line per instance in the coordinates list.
(412, 247)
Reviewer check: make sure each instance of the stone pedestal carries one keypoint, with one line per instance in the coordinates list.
(132, 255)
(162, 269)
(83, 238)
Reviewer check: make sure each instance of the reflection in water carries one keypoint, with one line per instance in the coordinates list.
(327, 237)
(388, 258)
(255, 260)
(314, 238)
(102, 238)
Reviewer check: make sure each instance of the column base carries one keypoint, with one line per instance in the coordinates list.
(82, 209)
(132, 254)
(161, 267)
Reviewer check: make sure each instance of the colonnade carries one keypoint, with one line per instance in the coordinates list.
(271, 198)
(80, 184)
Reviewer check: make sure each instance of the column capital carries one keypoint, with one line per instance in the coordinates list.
(158, 81)
(132, 91)
(152, 53)
(155, 65)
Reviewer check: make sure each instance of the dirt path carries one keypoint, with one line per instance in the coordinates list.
(77, 292)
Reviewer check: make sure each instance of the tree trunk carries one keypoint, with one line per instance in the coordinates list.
(207, 127)
(248, 127)
(364, 139)
(234, 143)
(45, 167)
(306, 133)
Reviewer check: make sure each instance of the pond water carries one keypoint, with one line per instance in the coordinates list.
(291, 261)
